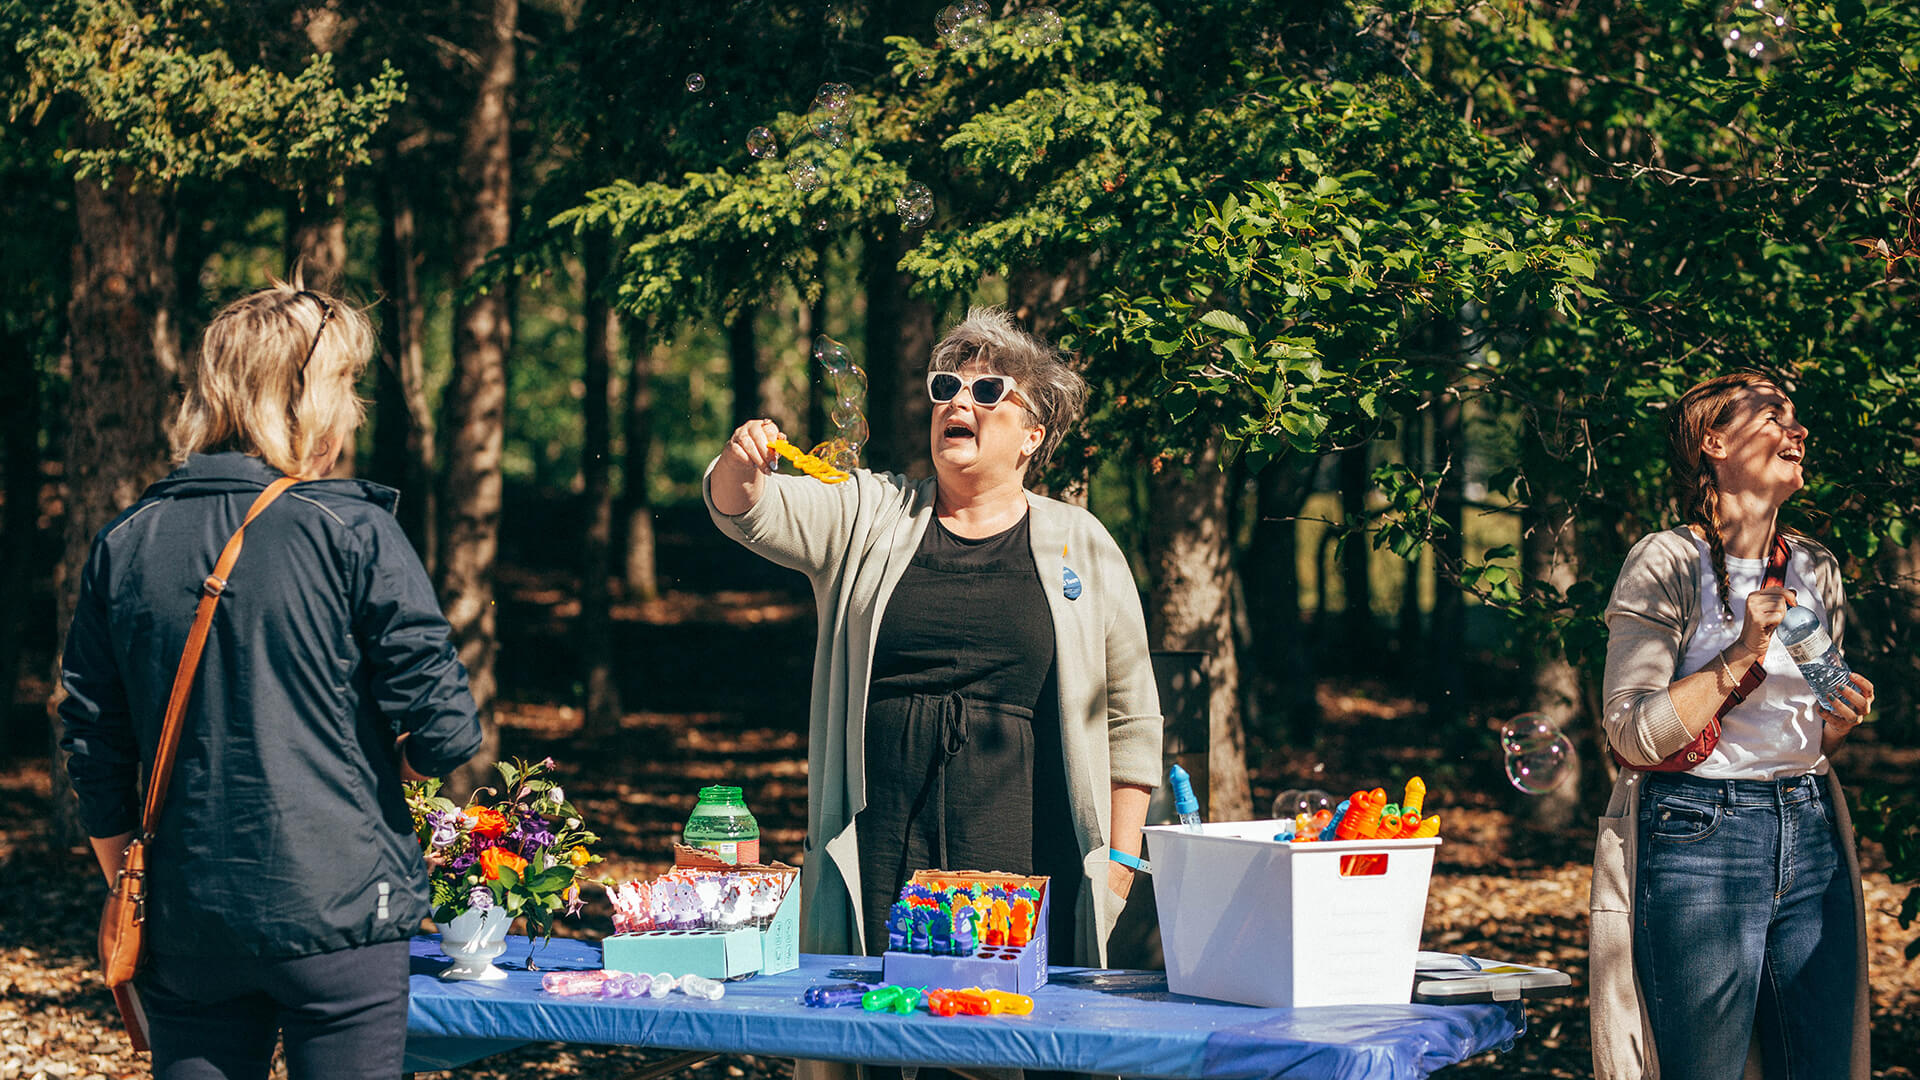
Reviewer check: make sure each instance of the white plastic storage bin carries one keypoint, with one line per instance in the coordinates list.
(1246, 918)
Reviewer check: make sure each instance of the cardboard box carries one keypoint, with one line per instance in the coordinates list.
(1249, 919)
(992, 967)
(716, 954)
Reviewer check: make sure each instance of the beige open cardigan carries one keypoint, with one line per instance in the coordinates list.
(853, 540)
(1654, 612)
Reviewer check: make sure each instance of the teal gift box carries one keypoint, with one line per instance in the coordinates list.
(716, 954)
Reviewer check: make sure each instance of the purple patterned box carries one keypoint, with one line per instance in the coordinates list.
(992, 967)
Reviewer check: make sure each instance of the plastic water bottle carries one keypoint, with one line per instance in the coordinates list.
(722, 824)
(1184, 803)
(1819, 659)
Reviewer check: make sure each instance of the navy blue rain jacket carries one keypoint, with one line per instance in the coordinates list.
(285, 830)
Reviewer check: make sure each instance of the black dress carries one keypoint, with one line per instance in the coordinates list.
(963, 759)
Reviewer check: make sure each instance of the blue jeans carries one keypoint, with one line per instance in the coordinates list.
(1743, 924)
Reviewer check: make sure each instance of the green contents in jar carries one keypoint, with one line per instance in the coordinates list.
(722, 824)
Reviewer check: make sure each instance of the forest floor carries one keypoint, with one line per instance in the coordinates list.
(1501, 887)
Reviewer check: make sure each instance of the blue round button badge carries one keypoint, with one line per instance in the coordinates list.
(1070, 583)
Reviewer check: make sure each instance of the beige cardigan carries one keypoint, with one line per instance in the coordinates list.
(1654, 612)
(853, 540)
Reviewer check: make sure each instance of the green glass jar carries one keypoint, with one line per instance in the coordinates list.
(721, 824)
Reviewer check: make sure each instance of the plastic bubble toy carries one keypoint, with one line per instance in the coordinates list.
(915, 205)
(1538, 756)
(761, 143)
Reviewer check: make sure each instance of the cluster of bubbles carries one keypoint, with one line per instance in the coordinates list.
(696, 82)
(915, 205)
(966, 24)
(963, 25)
(1293, 802)
(1755, 29)
(848, 382)
(1538, 756)
(828, 117)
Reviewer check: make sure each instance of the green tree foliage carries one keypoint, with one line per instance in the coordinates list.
(178, 104)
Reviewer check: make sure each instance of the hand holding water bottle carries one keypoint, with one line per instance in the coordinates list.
(1846, 699)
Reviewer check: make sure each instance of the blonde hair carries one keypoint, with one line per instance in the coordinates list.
(1053, 392)
(276, 377)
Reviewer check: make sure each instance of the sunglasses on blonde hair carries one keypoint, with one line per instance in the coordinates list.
(326, 316)
(986, 390)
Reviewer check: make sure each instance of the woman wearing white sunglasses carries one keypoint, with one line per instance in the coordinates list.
(982, 694)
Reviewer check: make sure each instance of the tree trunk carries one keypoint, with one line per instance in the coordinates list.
(1282, 668)
(602, 334)
(1445, 666)
(19, 529)
(1548, 546)
(1038, 297)
(743, 362)
(124, 350)
(1191, 556)
(477, 397)
(1356, 554)
(404, 452)
(316, 215)
(900, 339)
(643, 580)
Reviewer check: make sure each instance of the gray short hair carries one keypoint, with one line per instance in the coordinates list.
(1054, 392)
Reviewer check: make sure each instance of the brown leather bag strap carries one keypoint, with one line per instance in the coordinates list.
(210, 591)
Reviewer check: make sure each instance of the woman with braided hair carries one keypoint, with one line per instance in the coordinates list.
(1727, 913)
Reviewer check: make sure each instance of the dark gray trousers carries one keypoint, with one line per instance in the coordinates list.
(341, 1014)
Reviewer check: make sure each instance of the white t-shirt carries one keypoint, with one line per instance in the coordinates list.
(1775, 732)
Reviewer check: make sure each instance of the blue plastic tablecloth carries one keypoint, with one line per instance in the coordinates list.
(1121, 1023)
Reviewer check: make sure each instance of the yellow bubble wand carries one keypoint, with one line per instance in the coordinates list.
(815, 467)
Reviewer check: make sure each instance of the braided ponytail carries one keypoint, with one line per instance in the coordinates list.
(1703, 408)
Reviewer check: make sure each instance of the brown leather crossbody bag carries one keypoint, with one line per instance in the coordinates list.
(123, 923)
(1695, 752)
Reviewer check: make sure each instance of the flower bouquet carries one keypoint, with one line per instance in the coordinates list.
(519, 854)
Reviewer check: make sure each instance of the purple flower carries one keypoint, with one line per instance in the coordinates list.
(463, 862)
(444, 829)
(531, 835)
(480, 899)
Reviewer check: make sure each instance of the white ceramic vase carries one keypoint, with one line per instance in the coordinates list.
(473, 940)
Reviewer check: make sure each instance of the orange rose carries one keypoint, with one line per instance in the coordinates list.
(492, 859)
(487, 821)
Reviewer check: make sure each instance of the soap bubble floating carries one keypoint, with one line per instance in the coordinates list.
(1294, 802)
(915, 205)
(761, 143)
(963, 25)
(1038, 26)
(696, 82)
(828, 116)
(1755, 30)
(807, 174)
(1538, 756)
(848, 384)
